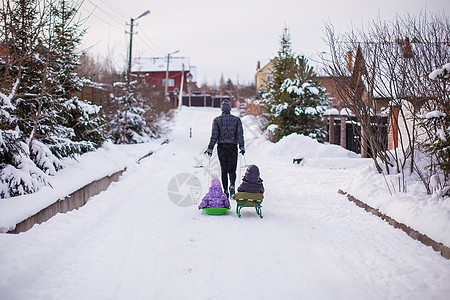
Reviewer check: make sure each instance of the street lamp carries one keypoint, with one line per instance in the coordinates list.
(167, 71)
(122, 137)
(131, 44)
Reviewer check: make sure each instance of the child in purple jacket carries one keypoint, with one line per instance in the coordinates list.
(251, 183)
(215, 197)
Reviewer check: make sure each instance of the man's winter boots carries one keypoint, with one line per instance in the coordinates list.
(232, 190)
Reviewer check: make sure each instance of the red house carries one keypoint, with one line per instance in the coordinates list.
(155, 70)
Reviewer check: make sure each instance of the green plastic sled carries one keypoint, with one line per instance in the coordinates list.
(216, 210)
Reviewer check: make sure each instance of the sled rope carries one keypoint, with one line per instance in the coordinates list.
(240, 171)
(209, 172)
(240, 167)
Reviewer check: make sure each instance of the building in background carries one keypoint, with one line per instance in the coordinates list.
(156, 69)
(341, 122)
(263, 76)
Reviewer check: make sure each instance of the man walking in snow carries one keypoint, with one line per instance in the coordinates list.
(227, 132)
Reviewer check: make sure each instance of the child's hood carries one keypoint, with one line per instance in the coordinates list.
(215, 185)
(252, 174)
(215, 182)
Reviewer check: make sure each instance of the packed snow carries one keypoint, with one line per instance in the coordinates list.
(427, 214)
(132, 242)
(77, 173)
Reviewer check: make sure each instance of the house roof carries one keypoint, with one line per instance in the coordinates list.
(330, 86)
(267, 68)
(159, 64)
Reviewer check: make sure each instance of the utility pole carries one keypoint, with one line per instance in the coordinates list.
(237, 93)
(167, 74)
(180, 101)
(128, 92)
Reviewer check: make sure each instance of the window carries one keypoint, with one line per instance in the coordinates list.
(170, 82)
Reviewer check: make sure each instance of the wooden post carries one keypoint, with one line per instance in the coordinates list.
(331, 130)
(364, 153)
(393, 129)
(344, 131)
(325, 117)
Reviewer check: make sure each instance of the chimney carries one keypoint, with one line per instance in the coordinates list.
(407, 52)
(258, 66)
(349, 59)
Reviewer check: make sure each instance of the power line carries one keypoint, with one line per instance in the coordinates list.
(145, 36)
(114, 9)
(146, 44)
(91, 13)
(108, 10)
(106, 13)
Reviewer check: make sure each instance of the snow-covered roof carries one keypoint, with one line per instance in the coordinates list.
(331, 112)
(435, 114)
(346, 112)
(159, 64)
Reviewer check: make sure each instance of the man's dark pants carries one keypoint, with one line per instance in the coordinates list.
(228, 155)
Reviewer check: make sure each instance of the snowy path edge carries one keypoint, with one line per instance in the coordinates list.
(79, 173)
(73, 201)
(424, 239)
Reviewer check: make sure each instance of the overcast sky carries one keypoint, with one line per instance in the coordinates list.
(229, 37)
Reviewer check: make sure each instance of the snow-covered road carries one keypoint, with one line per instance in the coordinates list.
(133, 242)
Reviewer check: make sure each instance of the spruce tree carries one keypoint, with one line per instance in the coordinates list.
(437, 127)
(20, 85)
(295, 100)
(78, 126)
(40, 121)
(128, 125)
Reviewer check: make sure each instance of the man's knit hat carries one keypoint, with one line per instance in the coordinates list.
(226, 106)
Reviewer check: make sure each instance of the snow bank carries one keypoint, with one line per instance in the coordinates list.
(430, 215)
(297, 145)
(77, 173)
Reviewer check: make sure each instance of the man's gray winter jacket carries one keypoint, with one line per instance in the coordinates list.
(227, 129)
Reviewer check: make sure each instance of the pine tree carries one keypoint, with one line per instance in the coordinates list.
(40, 121)
(437, 127)
(437, 145)
(78, 127)
(222, 86)
(230, 86)
(296, 100)
(128, 125)
(21, 82)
